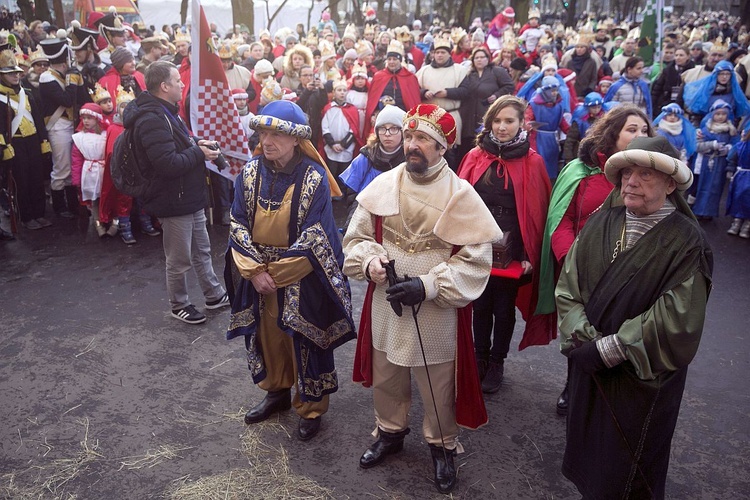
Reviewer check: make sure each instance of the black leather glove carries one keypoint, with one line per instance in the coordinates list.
(587, 358)
(409, 292)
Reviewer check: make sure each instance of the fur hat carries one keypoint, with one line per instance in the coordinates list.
(652, 152)
(390, 115)
(285, 117)
(433, 121)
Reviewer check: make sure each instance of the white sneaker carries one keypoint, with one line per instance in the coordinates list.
(222, 301)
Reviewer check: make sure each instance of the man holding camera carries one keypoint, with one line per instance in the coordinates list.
(434, 233)
(177, 195)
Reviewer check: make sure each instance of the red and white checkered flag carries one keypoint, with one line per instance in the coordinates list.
(213, 115)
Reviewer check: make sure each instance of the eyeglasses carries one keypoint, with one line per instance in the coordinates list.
(389, 130)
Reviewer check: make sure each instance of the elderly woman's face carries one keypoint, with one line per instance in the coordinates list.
(644, 189)
(634, 127)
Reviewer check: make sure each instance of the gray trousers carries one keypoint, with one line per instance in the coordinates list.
(186, 246)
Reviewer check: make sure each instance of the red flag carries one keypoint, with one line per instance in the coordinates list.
(213, 115)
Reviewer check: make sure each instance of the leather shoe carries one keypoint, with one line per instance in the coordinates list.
(308, 428)
(388, 443)
(493, 379)
(562, 401)
(275, 401)
(445, 470)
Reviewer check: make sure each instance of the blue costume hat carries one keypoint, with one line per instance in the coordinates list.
(593, 99)
(550, 82)
(688, 131)
(285, 117)
(697, 95)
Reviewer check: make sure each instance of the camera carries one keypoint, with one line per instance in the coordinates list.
(220, 161)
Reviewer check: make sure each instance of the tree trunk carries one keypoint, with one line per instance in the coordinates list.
(465, 10)
(59, 13)
(418, 9)
(571, 17)
(27, 12)
(744, 12)
(390, 12)
(183, 12)
(41, 11)
(333, 9)
(522, 11)
(243, 12)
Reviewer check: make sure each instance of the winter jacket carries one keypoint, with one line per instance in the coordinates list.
(666, 87)
(163, 143)
(473, 93)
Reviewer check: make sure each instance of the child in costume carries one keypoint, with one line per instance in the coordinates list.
(357, 93)
(583, 117)
(675, 126)
(545, 116)
(340, 126)
(738, 199)
(87, 159)
(717, 135)
(103, 98)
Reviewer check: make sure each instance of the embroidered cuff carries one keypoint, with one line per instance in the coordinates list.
(611, 350)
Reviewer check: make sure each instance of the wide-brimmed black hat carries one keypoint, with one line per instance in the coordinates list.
(80, 37)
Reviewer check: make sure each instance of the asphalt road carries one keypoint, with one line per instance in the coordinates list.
(103, 395)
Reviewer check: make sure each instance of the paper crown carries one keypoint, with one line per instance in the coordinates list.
(181, 37)
(395, 47)
(363, 48)
(359, 69)
(443, 42)
(549, 61)
(38, 56)
(124, 96)
(369, 29)
(225, 51)
(720, 45)
(457, 34)
(99, 93)
(22, 60)
(326, 50)
(509, 41)
(433, 121)
(403, 34)
(351, 32)
(585, 36)
(534, 13)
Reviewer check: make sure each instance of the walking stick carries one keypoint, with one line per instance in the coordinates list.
(390, 270)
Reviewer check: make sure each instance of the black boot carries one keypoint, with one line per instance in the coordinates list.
(445, 470)
(562, 401)
(494, 377)
(74, 206)
(482, 365)
(308, 428)
(387, 444)
(58, 204)
(274, 402)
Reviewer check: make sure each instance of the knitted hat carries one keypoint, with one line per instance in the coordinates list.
(593, 99)
(263, 66)
(241, 49)
(285, 117)
(550, 82)
(391, 115)
(566, 74)
(350, 54)
(672, 108)
(509, 12)
(120, 57)
(652, 152)
(91, 109)
(433, 121)
(607, 80)
(239, 94)
(478, 36)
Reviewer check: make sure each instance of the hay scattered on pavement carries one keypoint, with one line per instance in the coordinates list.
(152, 457)
(271, 480)
(41, 481)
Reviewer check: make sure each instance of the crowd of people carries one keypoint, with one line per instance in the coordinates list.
(484, 168)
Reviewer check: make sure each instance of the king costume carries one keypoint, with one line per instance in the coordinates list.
(435, 227)
(282, 223)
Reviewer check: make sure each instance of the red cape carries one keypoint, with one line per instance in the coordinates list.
(417, 57)
(111, 80)
(352, 118)
(532, 189)
(409, 91)
(185, 77)
(470, 410)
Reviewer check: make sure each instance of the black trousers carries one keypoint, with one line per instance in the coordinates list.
(29, 175)
(495, 318)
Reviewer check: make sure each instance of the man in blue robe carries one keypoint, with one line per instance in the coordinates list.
(290, 299)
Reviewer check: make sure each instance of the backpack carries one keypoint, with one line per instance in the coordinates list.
(127, 174)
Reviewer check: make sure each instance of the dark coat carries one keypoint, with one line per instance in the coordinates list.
(662, 89)
(473, 93)
(587, 78)
(164, 144)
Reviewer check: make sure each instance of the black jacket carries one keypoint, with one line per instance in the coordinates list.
(665, 88)
(164, 144)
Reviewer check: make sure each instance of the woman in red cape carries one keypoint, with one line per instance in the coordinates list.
(511, 179)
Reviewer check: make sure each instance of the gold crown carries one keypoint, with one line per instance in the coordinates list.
(359, 69)
(38, 55)
(396, 47)
(443, 42)
(549, 61)
(225, 51)
(19, 26)
(585, 36)
(457, 34)
(509, 41)
(370, 29)
(363, 48)
(99, 93)
(351, 32)
(21, 60)
(124, 96)
(326, 50)
(720, 45)
(534, 12)
(181, 37)
(403, 34)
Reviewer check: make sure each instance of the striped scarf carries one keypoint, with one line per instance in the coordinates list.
(636, 227)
